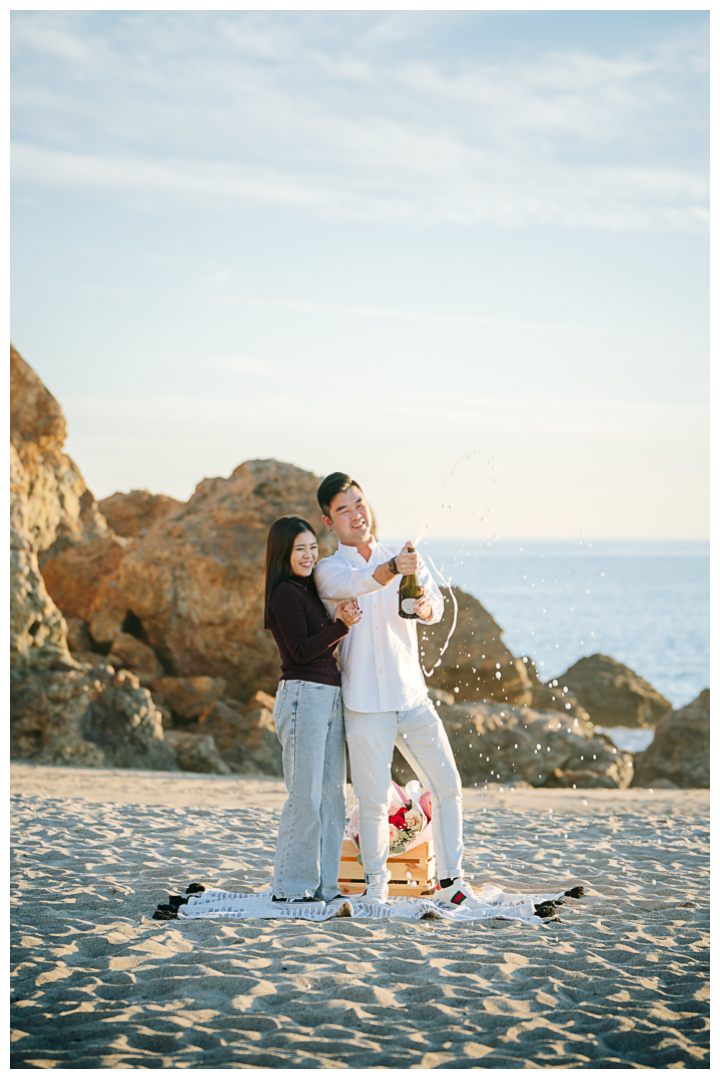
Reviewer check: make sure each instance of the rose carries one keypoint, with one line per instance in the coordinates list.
(394, 835)
(413, 819)
(397, 817)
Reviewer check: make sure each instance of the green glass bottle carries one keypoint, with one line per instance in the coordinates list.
(408, 592)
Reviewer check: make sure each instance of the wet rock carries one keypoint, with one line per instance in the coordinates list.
(493, 743)
(134, 512)
(196, 753)
(245, 736)
(613, 694)
(133, 655)
(680, 752)
(87, 716)
(556, 695)
(187, 698)
(477, 664)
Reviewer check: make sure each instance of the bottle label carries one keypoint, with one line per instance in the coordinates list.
(408, 606)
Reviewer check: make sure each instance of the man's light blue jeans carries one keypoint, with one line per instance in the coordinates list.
(309, 721)
(421, 738)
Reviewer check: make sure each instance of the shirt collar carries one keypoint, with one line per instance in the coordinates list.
(351, 552)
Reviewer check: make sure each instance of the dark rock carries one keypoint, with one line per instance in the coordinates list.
(496, 743)
(613, 694)
(196, 753)
(680, 752)
(88, 717)
(245, 736)
(556, 695)
(133, 655)
(189, 697)
(477, 664)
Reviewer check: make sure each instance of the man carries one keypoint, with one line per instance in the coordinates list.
(385, 698)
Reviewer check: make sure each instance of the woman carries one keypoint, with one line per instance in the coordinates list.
(308, 715)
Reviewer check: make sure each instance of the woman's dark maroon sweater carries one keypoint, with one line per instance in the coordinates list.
(304, 633)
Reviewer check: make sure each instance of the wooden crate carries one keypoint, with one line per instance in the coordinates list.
(413, 872)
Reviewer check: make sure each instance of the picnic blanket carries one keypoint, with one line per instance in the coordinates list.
(219, 904)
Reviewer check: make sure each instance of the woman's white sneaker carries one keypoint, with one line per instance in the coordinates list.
(376, 892)
(459, 894)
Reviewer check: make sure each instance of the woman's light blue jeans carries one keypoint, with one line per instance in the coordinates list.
(309, 721)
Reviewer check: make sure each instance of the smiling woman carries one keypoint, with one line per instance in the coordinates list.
(308, 716)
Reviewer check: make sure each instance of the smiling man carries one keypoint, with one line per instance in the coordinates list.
(386, 701)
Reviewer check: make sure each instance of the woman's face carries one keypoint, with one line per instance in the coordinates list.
(304, 554)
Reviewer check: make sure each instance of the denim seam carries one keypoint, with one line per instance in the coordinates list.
(291, 793)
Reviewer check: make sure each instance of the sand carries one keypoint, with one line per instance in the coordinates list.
(621, 981)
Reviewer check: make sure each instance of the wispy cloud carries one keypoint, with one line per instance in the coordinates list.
(358, 116)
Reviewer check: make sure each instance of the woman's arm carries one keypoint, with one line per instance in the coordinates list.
(287, 608)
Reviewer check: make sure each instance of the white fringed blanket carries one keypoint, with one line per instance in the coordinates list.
(217, 904)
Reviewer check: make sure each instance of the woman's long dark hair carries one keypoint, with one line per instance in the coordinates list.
(280, 541)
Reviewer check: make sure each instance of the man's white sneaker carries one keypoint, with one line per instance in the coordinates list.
(459, 894)
(376, 892)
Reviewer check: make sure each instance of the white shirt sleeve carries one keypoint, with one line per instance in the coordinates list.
(336, 580)
(433, 593)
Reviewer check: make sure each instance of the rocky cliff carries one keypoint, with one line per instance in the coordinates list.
(137, 639)
(63, 710)
(191, 584)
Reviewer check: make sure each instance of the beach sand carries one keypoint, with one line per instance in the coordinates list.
(621, 981)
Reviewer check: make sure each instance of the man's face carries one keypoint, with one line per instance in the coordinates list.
(350, 517)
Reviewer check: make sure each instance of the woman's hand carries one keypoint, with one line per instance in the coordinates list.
(348, 612)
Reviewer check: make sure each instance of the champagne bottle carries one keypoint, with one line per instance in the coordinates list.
(408, 592)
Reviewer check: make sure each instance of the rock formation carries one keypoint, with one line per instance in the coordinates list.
(91, 716)
(613, 694)
(679, 755)
(188, 698)
(510, 744)
(63, 710)
(132, 514)
(244, 735)
(477, 664)
(197, 753)
(191, 587)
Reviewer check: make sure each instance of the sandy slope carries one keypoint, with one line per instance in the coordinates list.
(622, 980)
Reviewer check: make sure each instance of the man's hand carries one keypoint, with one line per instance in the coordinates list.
(407, 562)
(423, 607)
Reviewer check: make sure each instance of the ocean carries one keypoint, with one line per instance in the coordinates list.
(645, 603)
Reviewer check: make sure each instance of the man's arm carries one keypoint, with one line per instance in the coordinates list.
(337, 580)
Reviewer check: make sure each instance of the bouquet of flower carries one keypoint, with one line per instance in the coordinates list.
(409, 819)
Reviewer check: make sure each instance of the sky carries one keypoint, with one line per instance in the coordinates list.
(375, 242)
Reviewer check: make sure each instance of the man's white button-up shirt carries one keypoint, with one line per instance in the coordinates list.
(379, 659)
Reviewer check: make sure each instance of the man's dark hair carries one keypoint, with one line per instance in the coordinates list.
(333, 485)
